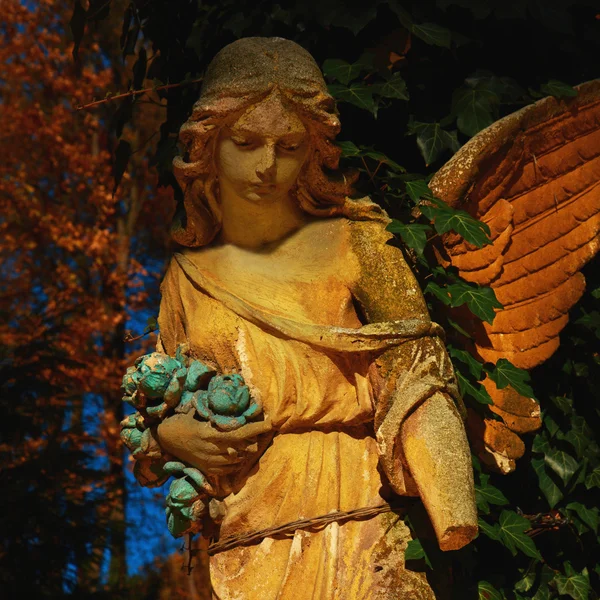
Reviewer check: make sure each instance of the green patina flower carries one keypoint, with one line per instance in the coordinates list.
(187, 499)
(132, 430)
(227, 403)
(148, 468)
(157, 382)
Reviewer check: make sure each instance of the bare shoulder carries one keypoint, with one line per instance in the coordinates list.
(325, 246)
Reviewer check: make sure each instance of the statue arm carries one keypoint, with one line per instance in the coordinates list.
(417, 422)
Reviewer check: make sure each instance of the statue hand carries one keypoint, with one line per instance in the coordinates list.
(214, 452)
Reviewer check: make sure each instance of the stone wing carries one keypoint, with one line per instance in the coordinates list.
(534, 178)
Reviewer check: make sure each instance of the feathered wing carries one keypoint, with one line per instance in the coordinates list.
(534, 178)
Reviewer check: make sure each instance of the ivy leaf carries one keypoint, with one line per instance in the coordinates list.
(395, 87)
(563, 464)
(551, 425)
(432, 140)
(458, 328)
(341, 70)
(505, 373)
(505, 88)
(487, 591)
(579, 436)
(548, 487)
(563, 403)
(558, 89)
(415, 551)
(447, 219)
(474, 366)
(573, 584)
(358, 93)
(414, 235)
(481, 300)
(432, 34)
(473, 108)
(593, 479)
(349, 149)
(590, 516)
(541, 444)
(512, 534)
(473, 231)
(381, 157)
(591, 321)
(491, 531)
(545, 576)
(526, 583)
(477, 392)
(485, 494)
(418, 189)
(441, 293)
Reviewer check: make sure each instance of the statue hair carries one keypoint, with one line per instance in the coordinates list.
(242, 75)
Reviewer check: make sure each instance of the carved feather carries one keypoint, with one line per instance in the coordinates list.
(534, 178)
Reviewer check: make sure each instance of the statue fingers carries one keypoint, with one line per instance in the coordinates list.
(246, 434)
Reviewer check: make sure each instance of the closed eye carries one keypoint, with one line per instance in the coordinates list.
(240, 141)
(289, 146)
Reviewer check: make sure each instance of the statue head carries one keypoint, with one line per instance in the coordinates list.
(251, 83)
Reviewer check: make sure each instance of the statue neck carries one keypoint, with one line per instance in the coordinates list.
(253, 225)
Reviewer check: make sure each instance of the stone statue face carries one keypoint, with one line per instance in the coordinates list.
(260, 156)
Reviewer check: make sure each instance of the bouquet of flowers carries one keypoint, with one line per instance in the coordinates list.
(159, 386)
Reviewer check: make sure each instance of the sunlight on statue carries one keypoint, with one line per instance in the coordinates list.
(289, 284)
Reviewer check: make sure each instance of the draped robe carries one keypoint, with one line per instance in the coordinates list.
(297, 340)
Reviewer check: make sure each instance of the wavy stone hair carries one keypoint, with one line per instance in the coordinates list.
(243, 74)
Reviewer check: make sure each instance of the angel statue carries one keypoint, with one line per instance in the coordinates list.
(300, 390)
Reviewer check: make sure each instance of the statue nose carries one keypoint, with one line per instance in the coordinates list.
(266, 166)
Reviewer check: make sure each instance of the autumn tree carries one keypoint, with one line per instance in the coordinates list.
(72, 278)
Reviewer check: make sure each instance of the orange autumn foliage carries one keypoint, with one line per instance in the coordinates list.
(71, 257)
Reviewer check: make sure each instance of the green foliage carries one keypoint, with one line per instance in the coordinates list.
(486, 591)
(511, 532)
(487, 494)
(447, 219)
(433, 140)
(358, 93)
(415, 551)
(558, 89)
(573, 584)
(414, 235)
(367, 92)
(473, 107)
(504, 373)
